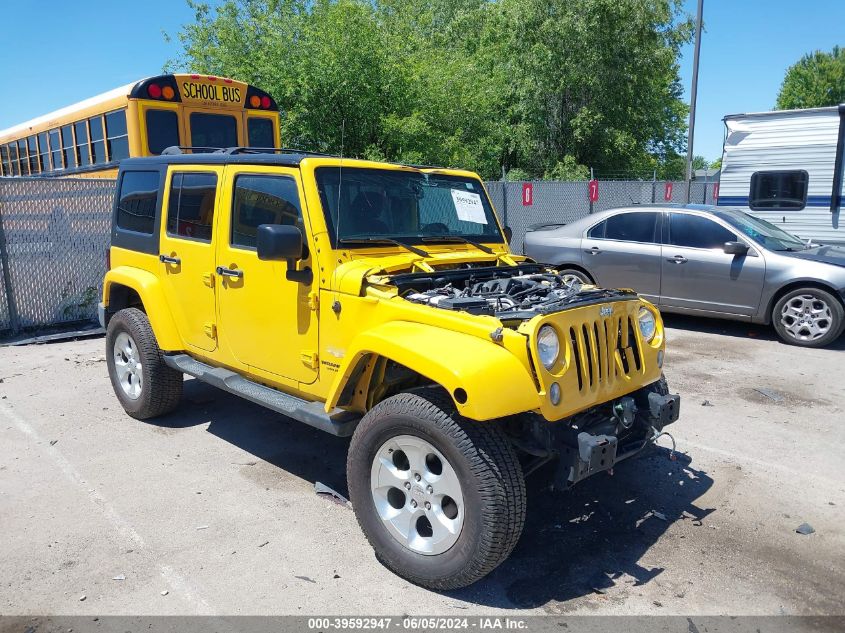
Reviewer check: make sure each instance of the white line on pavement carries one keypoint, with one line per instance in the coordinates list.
(177, 583)
(740, 459)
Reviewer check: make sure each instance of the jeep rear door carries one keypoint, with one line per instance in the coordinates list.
(266, 321)
(186, 254)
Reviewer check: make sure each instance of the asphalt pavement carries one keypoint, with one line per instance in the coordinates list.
(212, 509)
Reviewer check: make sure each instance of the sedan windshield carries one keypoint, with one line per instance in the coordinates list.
(764, 233)
(405, 206)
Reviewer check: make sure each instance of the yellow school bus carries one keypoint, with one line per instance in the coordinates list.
(90, 138)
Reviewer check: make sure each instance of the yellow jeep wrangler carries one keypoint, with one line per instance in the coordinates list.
(380, 301)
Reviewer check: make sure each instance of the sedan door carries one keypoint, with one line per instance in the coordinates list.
(698, 276)
(623, 251)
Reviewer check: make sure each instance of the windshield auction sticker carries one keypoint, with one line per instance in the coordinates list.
(469, 207)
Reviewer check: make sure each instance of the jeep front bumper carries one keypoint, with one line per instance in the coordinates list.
(600, 447)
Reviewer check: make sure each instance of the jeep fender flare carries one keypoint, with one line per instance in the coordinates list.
(484, 379)
(152, 297)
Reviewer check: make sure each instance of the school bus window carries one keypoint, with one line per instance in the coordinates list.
(55, 149)
(83, 157)
(162, 130)
(260, 132)
(98, 146)
(23, 158)
(117, 139)
(33, 154)
(4, 160)
(13, 159)
(43, 152)
(213, 130)
(68, 147)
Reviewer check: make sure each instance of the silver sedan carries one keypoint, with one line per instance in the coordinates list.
(707, 261)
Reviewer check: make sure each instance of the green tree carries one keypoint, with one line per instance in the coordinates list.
(816, 80)
(699, 162)
(549, 87)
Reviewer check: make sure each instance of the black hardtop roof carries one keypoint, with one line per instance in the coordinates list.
(283, 157)
(209, 156)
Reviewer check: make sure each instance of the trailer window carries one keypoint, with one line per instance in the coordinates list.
(778, 190)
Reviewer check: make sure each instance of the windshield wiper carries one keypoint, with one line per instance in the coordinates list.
(458, 238)
(383, 240)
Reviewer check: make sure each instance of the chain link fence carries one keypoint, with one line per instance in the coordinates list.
(54, 234)
(552, 202)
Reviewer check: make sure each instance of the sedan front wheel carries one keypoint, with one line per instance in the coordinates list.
(809, 317)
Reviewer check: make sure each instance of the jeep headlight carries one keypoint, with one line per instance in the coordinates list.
(548, 346)
(647, 323)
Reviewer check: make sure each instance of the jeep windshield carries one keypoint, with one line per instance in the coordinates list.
(409, 207)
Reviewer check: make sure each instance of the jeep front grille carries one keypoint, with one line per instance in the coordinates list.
(604, 351)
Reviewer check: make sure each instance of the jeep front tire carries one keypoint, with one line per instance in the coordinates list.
(440, 498)
(145, 386)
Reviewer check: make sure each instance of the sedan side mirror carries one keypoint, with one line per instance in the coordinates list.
(735, 248)
(278, 242)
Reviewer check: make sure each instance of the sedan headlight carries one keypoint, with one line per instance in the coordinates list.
(548, 346)
(648, 325)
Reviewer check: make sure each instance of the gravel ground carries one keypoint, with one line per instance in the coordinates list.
(212, 509)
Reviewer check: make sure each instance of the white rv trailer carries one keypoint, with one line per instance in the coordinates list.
(787, 167)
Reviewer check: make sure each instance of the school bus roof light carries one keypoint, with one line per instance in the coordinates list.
(161, 88)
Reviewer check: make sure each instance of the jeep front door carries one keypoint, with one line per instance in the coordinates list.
(186, 256)
(266, 321)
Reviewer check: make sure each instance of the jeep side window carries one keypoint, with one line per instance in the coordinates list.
(191, 210)
(262, 200)
(136, 207)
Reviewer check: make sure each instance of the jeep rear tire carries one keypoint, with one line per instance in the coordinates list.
(145, 386)
(440, 498)
(809, 317)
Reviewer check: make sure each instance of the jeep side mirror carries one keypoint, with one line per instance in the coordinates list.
(278, 242)
(508, 234)
(735, 248)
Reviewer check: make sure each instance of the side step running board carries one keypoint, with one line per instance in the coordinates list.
(338, 422)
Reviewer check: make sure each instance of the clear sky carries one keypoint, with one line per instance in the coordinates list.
(746, 48)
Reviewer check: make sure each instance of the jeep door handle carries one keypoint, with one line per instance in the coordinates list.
(677, 259)
(234, 273)
(595, 250)
(166, 259)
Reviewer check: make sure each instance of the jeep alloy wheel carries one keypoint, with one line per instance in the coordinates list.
(440, 498)
(127, 365)
(417, 494)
